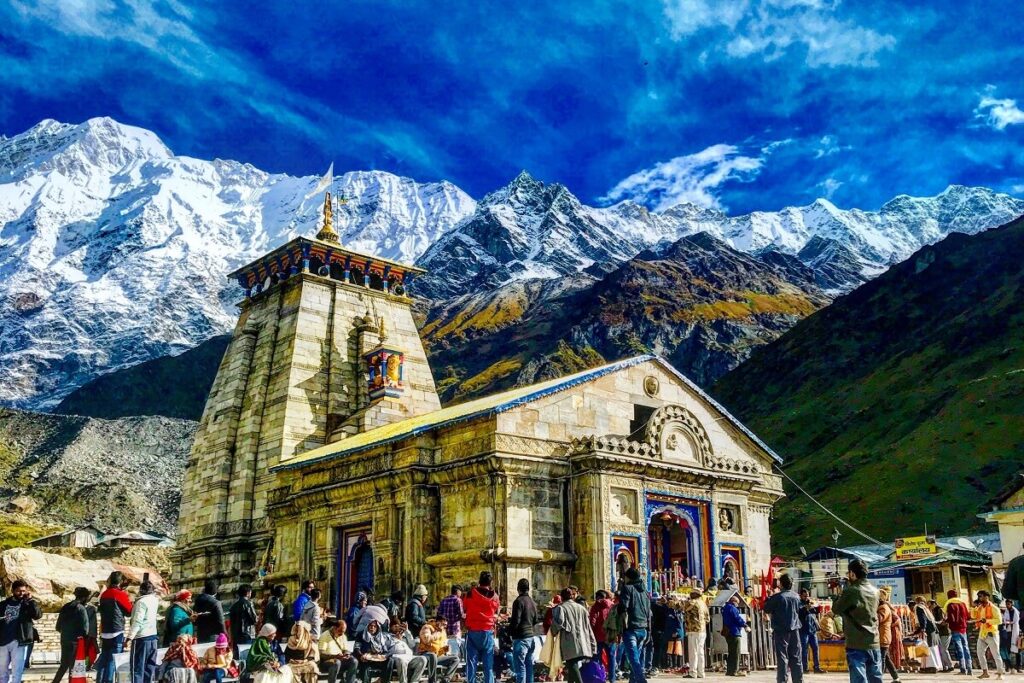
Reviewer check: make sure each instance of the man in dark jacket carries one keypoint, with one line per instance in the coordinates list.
(659, 632)
(276, 612)
(415, 614)
(300, 601)
(858, 606)
(16, 631)
(72, 624)
(115, 606)
(784, 609)
(1013, 585)
(243, 618)
(809, 630)
(209, 613)
(635, 606)
(522, 626)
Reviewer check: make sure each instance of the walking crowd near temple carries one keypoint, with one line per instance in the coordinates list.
(469, 635)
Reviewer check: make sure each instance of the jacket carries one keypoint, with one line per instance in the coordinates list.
(635, 605)
(598, 613)
(659, 617)
(19, 617)
(243, 619)
(178, 623)
(115, 605)
(415, 615)
(858, 606)
(143, 624)
(1013, 584)
(72, 622)
(523, 622)
(733, 620)
(571, 622)
(299, 605)
(696, 616)
(209, 617)
(784, 609)
(809, 617)
(314, 616)
(957, 615)
(276, 614)
(481, 609)
(885, 617)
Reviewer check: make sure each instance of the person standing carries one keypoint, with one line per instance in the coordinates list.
(72, 624)
(394, 606)
(696, 618)
(1009, 634)
(635, 607)
(809, 611)
(142, 634)
(178, 621)
(988, 619)
(606, 642)
(957, 617)
(243, 618)
(943, 634)
(209, 613)
(453, 612)
(784, 610)
(313, 614)
(733, 624)
(571, 623)
(523, 629)
(301, 599)
(276, 612)
(858, 607)
(115, 607)
(415, 612)
(886, 614)
(482, 607)
(927, 631)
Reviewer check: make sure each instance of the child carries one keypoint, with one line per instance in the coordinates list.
(217, 660)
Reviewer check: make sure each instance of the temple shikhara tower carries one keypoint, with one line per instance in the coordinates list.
(324, 452)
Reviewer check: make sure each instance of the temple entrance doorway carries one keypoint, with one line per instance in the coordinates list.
(354, 564)
(670, 536)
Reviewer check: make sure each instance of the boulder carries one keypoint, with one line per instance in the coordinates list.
(23, 504)
(53, 578)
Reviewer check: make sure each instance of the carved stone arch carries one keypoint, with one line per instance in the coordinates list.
(674, 433)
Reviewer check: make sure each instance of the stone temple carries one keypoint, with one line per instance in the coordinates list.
(324, 452)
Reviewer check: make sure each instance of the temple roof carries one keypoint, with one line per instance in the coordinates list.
(492, 405)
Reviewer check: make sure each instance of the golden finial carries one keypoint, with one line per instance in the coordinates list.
(327, 233)
(381, 331)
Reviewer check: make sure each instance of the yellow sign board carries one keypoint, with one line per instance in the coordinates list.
(915, 547)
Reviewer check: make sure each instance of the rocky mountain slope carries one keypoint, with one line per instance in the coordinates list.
(119, 474)
(908, 390)
(113, 251)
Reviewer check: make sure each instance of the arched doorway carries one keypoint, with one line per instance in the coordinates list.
(673, 551)
(354, 566)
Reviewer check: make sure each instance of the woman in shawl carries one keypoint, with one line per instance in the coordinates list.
(180, 662)
(300, 654)
(886, 615)
(262, 662)
(179, 619)
(896, 645)
(570, 621)
(373, 647)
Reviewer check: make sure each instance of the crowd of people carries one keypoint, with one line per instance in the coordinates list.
(629, 633)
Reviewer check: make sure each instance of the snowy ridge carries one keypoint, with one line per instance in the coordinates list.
(530, 229)
(114, 251)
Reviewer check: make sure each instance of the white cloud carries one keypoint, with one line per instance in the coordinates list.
(829, 145)
(694, 178)
(828, 187)
(771, 28)
(998, 113)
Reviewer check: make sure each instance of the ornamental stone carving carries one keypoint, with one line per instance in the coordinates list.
(674, 433)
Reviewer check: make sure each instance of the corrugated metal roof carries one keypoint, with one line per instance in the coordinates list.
(956, 555)
(492, 405)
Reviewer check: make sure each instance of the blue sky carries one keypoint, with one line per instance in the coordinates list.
(741, 104)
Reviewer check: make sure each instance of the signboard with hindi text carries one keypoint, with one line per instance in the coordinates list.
(915, 547)
(893, 579)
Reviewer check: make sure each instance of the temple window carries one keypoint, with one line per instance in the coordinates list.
(641, 416)
(375, 281)
(337, 271)
(357, 275)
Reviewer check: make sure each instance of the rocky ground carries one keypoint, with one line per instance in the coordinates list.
(58, 470)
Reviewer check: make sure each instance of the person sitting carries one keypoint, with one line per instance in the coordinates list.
(433, 644)
(262, 662)
(180, 662)
(217, 660)
(300, 654)
(336, 653)
(403, 655)
(374, 646)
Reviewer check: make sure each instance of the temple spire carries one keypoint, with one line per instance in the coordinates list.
(327, 233)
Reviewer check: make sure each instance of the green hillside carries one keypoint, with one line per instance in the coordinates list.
(901, 404)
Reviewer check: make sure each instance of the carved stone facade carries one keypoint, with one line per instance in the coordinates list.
(323, 452)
